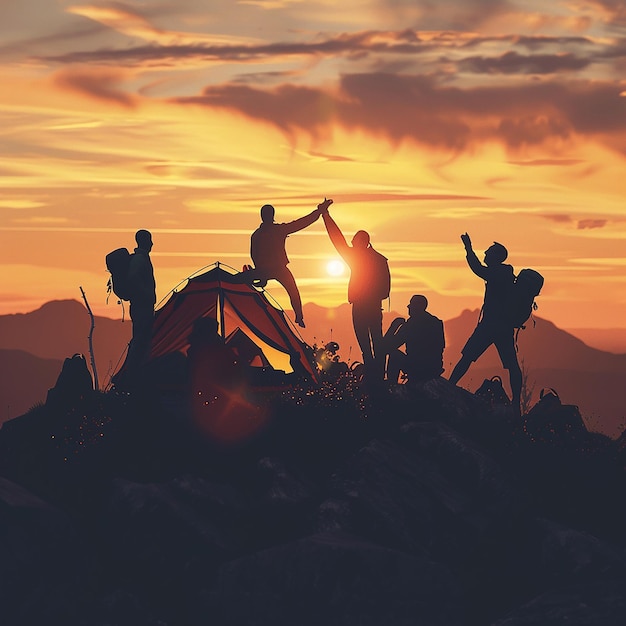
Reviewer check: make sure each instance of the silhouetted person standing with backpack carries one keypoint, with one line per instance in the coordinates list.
(143, 298)
(494, 326)
(267, 250)
(368, 286)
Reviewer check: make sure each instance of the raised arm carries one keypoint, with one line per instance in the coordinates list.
(302, 222)
(336, 236)
(472, 260)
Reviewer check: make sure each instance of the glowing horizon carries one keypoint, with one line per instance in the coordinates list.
(421, 121)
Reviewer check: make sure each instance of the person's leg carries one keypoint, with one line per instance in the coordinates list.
(375, 327)
(515, 379)
(505, 345)
(142, 318)
(478, 342)
(362, 331)
(286, 279)
(460, 369)
(396, 363)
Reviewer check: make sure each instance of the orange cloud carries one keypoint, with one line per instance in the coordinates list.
(127, 21)
(99, 83)
(591, 223)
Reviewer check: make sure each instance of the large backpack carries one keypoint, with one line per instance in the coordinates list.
(526, 288)
(118, 264)
(380, 276)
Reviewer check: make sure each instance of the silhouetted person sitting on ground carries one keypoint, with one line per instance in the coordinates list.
(368, 286)
(212, 365)
(143, 298)
(423, 337)
(267, 250)
(218, 387)
(493, 326)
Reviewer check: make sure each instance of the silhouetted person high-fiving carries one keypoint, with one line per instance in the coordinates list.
(368, 286)
(494, 326)
(267, 250)
(143, 298)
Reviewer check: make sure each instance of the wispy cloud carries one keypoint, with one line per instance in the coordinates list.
(591, 224)
(559, 218)
(514, 63)
(614, 10)
(560, 52)
(548, 162)
(20, 203)
(100, 83)
(128, 21)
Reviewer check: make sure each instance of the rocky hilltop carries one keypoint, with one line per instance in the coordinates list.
(342, 505)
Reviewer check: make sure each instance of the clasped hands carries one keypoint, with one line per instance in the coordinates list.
(323, 206)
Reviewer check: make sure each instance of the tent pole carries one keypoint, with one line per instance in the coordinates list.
(220, 306)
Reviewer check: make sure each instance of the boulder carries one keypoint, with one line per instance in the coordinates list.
(166, 538)
(42, 565)
(428, 490)
(591, 604)
(332, 579)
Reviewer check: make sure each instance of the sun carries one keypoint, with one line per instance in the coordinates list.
(335, 267)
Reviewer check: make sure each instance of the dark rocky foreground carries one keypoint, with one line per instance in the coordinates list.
(415, 506)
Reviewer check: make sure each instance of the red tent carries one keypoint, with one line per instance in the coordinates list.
(237, 306)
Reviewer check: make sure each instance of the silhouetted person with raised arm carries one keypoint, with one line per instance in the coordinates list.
(493, 326)
(423, 337)
(267, 249)
(143, 298)
(368, 286)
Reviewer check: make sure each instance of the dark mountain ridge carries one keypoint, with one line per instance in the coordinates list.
(582, 375)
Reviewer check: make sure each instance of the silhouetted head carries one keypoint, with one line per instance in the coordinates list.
(267, 213)
(417, 304)
(144, 239)
(204, 331)
(361, 239)
(495, 254)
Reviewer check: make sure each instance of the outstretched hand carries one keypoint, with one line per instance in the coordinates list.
(323, 206)
(467, 242)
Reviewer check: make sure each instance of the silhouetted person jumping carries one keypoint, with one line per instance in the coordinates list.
(267, 249)
(142, 301)
(368, 286)
(423, 337)
(494, 326)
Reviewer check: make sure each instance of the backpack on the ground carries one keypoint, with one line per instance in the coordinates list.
(492, 391)
(118, 264)
(380, 275)
(552, 421)
(526, 288)
(74, 382)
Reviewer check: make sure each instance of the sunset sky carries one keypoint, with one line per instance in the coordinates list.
(421, 119)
